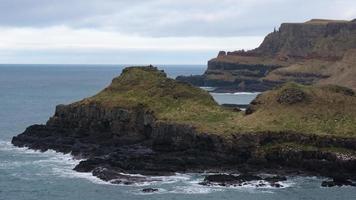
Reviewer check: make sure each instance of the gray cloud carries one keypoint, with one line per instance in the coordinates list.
(166, 18)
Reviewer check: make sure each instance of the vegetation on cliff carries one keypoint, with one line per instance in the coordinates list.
(315, 52)
(292, 107)
(169, 100)
(146, 123)
(307, 109)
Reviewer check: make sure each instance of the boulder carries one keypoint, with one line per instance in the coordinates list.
(338, 181)
(149, 190)
(229, 179)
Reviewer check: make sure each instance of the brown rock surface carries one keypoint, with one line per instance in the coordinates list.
(315, 52)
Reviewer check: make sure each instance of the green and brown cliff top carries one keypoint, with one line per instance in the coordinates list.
(292, 107)
(319, 51)
(168, 99)
(327, 109)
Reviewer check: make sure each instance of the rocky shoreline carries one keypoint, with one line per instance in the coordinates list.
(148, 147)
(145, 123)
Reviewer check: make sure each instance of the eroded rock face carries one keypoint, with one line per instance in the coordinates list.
(314, 52)
(116, 142)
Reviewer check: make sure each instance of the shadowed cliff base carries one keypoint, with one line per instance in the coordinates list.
(149, 124)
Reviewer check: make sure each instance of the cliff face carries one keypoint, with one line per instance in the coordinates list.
(314, 39)
(303, 52)
(118, 141)
(124, 130)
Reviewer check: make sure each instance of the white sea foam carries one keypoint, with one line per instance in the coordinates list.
(51, 163)
(174, 178)
(195, 189)
(235, 93)
(208, 88)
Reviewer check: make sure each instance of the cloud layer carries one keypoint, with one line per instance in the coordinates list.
(151, 25)
(172, 17)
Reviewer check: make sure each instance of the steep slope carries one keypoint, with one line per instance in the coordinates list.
(325, 39)
(343, 72)
(306, 53)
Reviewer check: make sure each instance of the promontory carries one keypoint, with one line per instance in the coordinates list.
(318, 52)
(146, 123)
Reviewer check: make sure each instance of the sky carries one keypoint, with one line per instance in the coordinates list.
(146, 31)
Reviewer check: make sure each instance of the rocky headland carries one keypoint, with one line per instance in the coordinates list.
(315, 52)
(145, 123)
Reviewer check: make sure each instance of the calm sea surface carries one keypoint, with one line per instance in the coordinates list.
(29, 94)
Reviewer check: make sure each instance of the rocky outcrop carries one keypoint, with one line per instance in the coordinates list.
(337, 181)
(242, 179)
(117, 139)
(310, 53)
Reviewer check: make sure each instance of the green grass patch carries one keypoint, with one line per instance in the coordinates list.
(325, 110)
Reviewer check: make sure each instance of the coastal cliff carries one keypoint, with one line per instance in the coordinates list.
(146, 123)
(307, 53)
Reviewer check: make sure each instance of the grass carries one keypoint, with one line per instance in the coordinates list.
(327, 110)
(304, 147)
(169, 100)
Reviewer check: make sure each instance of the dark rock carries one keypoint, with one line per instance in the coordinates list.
(253, 106)
(222, 53)
(248, 177)
(275, 179)
(149, 190)
(88, 165)
(228, 179)
(106, 174)
(291, 96)
(328, 184)
(236, 109)
(116, 177)
(197, 80)
(230, 105)
(218, 178)
(276, 185)
(240, 180)
(338, 181)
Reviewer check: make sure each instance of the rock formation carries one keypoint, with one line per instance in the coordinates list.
(146, 123)
(314, 52)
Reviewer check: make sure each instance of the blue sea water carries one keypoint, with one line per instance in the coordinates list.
(29, 94)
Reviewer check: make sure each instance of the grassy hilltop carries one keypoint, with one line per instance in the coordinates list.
(292, 107)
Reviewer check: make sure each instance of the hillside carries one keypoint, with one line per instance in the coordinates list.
(146, 123)
(170, 101)
(314, 52)
(327, 110)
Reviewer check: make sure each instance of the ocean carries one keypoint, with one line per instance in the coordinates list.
(29, 94)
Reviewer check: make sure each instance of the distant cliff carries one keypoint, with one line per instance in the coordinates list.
(308, 53)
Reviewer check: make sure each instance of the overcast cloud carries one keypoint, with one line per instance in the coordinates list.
(171, 27)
